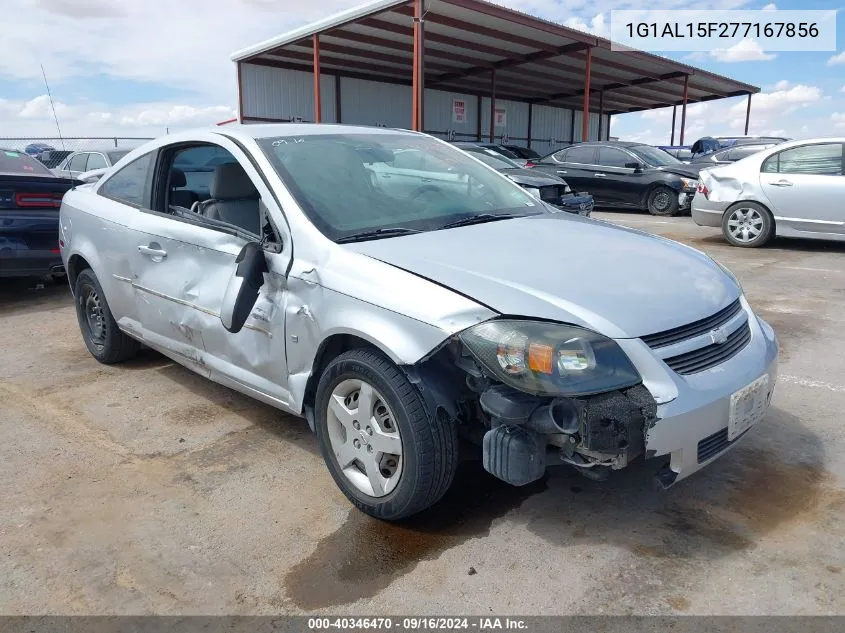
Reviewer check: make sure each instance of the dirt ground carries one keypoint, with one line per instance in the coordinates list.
(143, 488)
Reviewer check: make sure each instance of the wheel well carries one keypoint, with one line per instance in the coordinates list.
(75, 265)
(650, 189)
(330, 349)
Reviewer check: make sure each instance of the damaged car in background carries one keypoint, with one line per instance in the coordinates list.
(403, 308)
(794, 190)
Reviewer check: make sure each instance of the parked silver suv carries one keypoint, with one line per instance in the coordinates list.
(403, 310)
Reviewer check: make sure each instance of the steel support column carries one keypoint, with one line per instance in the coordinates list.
(684, 107)
(492, 103)
(601, 113)
(747, 114)
(337, 100)
(585, 120)
(674, 113)
(418, 81)
(530, 113)
(318, 109)
(240, 93)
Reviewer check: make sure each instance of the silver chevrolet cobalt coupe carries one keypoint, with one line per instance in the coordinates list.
(403, 297)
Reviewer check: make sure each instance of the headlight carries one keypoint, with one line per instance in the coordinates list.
(533, 191)
(689, 185)
(549, 358)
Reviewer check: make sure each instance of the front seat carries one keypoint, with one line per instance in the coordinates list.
(234, 199)
(184, 198)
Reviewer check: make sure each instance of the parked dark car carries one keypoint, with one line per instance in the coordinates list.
(625, 175)
(522, 152)
(728, 155)
(30, 197)
(547, 187)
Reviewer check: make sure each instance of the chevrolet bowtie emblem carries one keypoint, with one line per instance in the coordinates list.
(718, 336)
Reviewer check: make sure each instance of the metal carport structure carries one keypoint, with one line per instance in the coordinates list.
(432, 52)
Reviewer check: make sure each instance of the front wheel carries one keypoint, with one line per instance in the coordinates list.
(662, 201)
(386, 451)
(748, 224)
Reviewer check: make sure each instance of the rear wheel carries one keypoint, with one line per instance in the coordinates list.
(748, 224)
(389, 455)
(100, 332)
(662, 201)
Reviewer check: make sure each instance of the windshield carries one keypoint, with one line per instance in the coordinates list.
(355, 183)
(653, 156)
(20, 164)
(117, 155)
(489, 157)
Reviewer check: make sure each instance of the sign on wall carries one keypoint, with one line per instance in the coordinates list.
(500, 117)
(459, 111)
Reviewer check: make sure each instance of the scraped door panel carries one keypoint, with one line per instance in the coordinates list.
(181, 274)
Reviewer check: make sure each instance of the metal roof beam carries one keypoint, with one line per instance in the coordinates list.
(511, 62)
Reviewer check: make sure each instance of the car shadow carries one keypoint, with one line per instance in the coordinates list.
(774, 478)
(25, 295)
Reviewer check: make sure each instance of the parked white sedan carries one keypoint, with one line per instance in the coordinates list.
(794, 189)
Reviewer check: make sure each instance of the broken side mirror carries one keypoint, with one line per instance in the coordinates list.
(244, 285)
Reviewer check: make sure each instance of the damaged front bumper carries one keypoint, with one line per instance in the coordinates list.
(693, 429)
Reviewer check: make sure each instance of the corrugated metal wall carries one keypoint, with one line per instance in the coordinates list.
(277, 93)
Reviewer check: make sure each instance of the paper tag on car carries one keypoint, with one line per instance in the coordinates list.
(748, 406)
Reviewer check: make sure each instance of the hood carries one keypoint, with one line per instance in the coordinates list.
(616, 281)
(532, 178)
(687, 171)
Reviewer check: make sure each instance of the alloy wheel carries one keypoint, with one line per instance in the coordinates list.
(745, 225)
(364, 437)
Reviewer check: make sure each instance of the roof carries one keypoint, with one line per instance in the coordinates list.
(535, 60)
(271, 130)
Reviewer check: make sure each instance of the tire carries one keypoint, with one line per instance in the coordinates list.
(662, 201)
(427, 446)
(742, 219)
(99, 330)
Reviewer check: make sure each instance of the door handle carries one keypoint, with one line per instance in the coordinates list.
(781, 183)
(561, 171)
(600, 175)
(152, 252)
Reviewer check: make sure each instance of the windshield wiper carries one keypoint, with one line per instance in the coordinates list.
(481, 218)
(376, 234)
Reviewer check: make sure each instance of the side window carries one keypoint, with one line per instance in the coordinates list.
(770, 165)
(613, 157)
(78, 162)
(129, 184)
(560, 156)
(582, 155)
(207, 183)
(95, 161)
(823, 160)
(740, 153)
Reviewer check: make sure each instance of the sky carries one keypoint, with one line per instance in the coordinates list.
(141, 67)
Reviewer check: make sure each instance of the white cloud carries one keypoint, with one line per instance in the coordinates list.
(770, 7)
(842, 89)
(597, 26)
(783, 84)
(743, 51)
(780, 101)
(837, 59)
(838, 119)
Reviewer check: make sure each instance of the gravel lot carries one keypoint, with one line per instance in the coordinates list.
(143, 488)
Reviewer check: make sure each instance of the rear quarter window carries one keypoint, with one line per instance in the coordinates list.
(130, 184)
(19, 163)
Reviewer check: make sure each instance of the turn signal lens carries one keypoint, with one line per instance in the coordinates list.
(540, 358)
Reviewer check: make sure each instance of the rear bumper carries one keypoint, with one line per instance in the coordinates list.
(708, 212)
(30, 263)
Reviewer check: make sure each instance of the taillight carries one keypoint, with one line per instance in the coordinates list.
(702, 189)
(530, 164)
(41, 200)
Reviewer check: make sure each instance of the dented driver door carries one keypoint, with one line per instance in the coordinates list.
(181, 271)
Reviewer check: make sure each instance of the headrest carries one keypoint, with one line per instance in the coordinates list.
(230, 182)
(177, 178)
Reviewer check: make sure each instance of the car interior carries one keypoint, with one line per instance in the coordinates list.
(208, 182)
